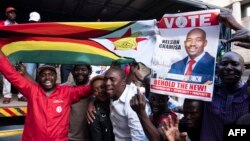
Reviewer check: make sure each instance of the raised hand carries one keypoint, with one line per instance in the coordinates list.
(241, 38)
(138, 102)
(228, 20)
(20, 67)
(171, 131)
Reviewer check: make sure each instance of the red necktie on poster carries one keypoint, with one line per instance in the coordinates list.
(190, 67)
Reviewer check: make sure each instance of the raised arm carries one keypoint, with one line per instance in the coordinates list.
(228, 20)
(78, 92)
(241, 37)
(138, 104)
(171, 131)
(14, 77)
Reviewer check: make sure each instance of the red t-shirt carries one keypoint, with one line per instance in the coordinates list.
(1, 23)
(47, 117)
(164, 117)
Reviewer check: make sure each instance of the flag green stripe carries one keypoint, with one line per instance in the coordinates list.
(62, 57)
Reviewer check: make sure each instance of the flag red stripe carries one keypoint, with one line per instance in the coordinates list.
(56, 29)
(66, 40)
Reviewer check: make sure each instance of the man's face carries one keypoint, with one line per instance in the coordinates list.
(11, 15)
(98, 88)
(195, 43)
(192, 113)
(115, 83)
(231, 68)
(47, 79)
(157, 102)
(81, 74)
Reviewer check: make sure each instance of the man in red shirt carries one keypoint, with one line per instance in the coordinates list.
(47, 117)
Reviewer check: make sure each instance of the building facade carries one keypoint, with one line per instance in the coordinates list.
(241, 12)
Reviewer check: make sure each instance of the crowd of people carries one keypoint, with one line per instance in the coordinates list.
(117, 104)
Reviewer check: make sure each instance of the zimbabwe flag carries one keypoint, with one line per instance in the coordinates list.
(74, 43)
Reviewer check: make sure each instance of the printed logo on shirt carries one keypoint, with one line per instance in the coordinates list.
(58, 109)
(103, 115)
(58, 101)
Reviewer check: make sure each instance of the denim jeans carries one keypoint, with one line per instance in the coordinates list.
(31, 69)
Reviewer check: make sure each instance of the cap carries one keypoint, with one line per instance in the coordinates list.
(34, 16)
(43, 67)
(9, 9)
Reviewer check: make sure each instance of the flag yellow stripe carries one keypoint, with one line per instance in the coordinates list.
(55, 46)
(97, 25)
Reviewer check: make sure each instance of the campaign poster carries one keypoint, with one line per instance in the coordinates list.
(184, 60)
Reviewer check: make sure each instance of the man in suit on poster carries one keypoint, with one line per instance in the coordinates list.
(198, 66)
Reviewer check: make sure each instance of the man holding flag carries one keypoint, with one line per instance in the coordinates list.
(48, 103)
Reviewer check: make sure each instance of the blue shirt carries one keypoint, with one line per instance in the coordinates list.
(225, 108)
(173, 105)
